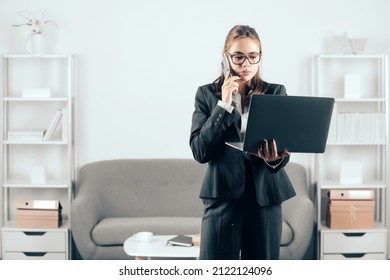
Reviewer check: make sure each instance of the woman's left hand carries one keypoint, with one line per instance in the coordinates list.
(271, 155)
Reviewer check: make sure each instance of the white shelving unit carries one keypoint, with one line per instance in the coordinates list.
(56, 155)
(359, 133)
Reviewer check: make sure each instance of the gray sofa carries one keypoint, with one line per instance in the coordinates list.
(116, 198)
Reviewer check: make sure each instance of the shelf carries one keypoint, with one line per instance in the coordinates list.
(328, 184)
(20, 183)
(32, 99)
(58, 142)
(378, 227)
(23, 112)
(355, 144)
(10, 226)
(360, 100)
(355, 100)
(351, 56)
(37, 56)
(358, 133)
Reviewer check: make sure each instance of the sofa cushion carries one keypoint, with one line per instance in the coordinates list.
(128, 188)
(114, 231)
(287, 234)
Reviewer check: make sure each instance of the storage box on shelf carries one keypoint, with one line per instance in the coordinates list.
(351, 209)
(38, 213)
(356, 156)
(38, 154)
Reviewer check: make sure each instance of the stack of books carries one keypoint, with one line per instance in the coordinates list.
(26, 135)
(351, 209)
(355, 127)
(36, 93)
(42, 134)
(38, 213)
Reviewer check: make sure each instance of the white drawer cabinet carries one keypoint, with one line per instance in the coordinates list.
(364, 242)
(33, 256)
(361, 257)
(363, 245)
(26, 244)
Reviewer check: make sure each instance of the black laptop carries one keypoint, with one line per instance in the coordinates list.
(298, 124)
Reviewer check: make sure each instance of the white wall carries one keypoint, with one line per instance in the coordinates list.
(139, 63)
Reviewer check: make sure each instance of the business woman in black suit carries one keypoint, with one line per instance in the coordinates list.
(242, 193)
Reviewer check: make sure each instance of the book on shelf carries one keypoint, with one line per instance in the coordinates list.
(352, 85)
(65, 118)
(351, 172)
(181, 240)
(359, 127)
(36, 93)
(37, 175)
(35, 134)
(53, 125)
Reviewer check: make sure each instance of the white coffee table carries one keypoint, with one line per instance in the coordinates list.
(158, 247)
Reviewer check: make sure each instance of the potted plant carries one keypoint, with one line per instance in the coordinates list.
(35, 41)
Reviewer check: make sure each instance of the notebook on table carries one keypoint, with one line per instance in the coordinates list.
(181, 240)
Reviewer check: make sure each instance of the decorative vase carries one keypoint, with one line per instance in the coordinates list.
(35, 44)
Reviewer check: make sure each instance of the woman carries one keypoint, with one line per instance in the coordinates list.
(242, 193)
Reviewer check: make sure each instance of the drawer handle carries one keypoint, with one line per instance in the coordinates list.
(356, 255)
(354, 234)
(34, 254)
(34, 233)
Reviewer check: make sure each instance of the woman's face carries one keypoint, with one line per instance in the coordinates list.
(244, 56)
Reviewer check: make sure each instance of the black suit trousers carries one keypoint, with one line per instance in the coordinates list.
(240, 228)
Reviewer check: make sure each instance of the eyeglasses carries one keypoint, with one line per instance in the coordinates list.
(239, 58)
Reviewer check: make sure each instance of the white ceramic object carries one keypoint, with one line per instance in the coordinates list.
(357, 45)
(144, 236)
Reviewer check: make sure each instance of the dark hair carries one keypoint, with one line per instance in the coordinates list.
(257, 85)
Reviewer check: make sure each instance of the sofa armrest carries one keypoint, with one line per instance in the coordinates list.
(299, 214)
(86, 213)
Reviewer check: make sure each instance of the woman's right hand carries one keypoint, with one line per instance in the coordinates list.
(229, 87)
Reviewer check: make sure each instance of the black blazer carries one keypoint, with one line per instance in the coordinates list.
(212, 126)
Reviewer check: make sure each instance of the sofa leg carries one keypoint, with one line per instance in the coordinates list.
(142, 258)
